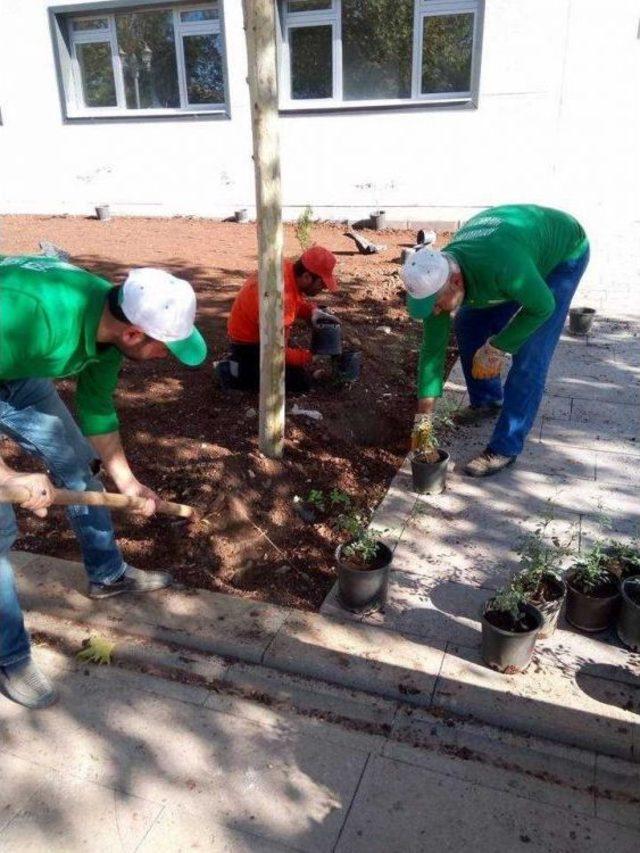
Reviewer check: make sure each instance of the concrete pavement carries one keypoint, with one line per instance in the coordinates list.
(129, 761)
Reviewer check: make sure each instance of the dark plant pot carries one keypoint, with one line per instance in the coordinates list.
(550, 610)
(241, 215)
(506, 651)
(628, 627)
(326, 339)
(379, 219)
(430, 478)
(103, 212)
(349, 365)
(364, 590)
(626, 569)
(581, 320)
(591, 613)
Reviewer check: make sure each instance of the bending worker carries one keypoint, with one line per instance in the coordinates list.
(308, 276)
(509, 276)
(58, 320)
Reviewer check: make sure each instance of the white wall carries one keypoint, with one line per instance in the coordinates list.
(558, 123)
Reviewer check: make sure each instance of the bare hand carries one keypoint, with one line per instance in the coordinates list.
(135, 489)
(487, 362)
(41, 491)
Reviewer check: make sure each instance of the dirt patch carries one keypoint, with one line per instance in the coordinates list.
(196, 444)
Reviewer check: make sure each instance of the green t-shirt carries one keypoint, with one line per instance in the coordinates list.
(505, 254)
(49, 317)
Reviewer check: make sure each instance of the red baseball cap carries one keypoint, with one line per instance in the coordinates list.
(321, 262)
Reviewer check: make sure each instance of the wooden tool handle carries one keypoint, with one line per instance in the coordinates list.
(64, 497)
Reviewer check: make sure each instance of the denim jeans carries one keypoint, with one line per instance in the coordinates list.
(33, 415)
(526, 379)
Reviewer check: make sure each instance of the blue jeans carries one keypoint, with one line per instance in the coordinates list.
(33, 415)
(526, 379)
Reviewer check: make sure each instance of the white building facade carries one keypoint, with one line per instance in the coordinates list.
(430, 109)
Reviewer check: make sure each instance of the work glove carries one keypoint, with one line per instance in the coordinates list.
(487, 362)
(318, 315)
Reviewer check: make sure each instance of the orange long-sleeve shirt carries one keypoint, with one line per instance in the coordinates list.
(244, 321)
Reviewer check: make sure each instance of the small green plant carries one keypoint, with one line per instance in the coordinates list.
(425, 438)
(627, 556)
(316, 499)
(304, 225)
(590, 571)
(509, 600)
(541, 556)
(363, 543)
(339, 498)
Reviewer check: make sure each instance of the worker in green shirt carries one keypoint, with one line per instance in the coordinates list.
(58, 320)
(508, 276)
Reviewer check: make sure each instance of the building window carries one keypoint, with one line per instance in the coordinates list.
(351, 52)
(144, 61)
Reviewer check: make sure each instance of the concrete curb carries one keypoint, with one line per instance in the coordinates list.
(160, 633)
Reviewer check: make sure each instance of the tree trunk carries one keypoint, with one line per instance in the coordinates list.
(260, 26)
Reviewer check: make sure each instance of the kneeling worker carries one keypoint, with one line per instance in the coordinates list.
(308, 276)
(509, 275)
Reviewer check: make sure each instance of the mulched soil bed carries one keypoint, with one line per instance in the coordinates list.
(196, 444)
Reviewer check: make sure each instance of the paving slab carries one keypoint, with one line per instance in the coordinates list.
(194, 618)
(618, 791)
(431, 609)
(179, 831)
(101, 819)
(266, 780)
(545, 701)
(402, 807)
(592, 436)
(533, 768)
(360, 656)
(15, 797)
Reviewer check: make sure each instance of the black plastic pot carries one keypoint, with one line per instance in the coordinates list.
(430, 478)
(326, 338)
(507, 651)
(241, 215)
(592, 613)
(581, 320)
(349, 364)
(550, 610)
(362, 591)
(628, 627)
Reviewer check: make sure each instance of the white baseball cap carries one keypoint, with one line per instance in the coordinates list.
(423, 274)
(164, 307)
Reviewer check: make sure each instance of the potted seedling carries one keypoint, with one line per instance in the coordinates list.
(428, 461)
(628, 627)
(593, 593)
(539, 578)
(510, 626)
(363, 564)
(622, 560)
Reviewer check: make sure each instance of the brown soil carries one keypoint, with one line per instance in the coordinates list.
(606, 589)
(195, 444)
(546, 591)
(504, 621)
(357, 564)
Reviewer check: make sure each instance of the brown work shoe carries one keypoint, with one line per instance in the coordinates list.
(471, 415)
(488, 463)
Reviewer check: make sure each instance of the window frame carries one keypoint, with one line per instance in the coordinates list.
(422, 9)
(71, 75)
